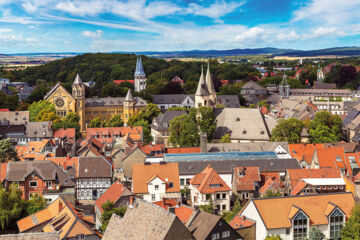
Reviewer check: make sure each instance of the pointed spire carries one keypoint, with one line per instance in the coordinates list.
(202, 89)
(284, 81)
(209, 81)
(78, 79)
(129, 97)
(139, 67)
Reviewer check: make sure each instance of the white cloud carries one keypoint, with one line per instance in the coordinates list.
(7, 17)
(215, 10)
(9, 38)
(95, 34)
(82, 8)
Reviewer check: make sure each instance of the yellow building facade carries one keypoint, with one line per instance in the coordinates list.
(90, 108)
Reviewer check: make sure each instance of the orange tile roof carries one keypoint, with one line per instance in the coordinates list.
(241, 222)
(303, 151)
(134, 133)
(246, 182)
(61, 133)
(183, 150)
(208, 177)
(3, 171)
(147, 149)
(295, 175)
(112, 194)
(270, 184)
(314, 206)
(348, 163)
(183, 212)
(298, 187)
(65, 162)
(331, 157)
(142, 173)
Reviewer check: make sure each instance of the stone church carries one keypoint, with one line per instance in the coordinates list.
(90, 108)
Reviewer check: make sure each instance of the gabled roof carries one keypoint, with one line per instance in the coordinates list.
(62, 133)
(183, 150)
(202, 88)
(295, 175)
(52, 90)
(246, 178)
(208, 181)
(113, 194)
(141, 173)
(304, 152)
(14, 118)
(78, 79)
(145, 220)
(314, 206)
(162, 122)
(253, 85)
(333, 157)
(94, 167)
(183, 212)
(239, 222)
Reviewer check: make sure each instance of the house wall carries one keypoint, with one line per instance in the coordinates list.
(134, 158)
(247, 233)
(251, 212)
(201, 199)
(86, 187)
(222, 227)
(158, 193)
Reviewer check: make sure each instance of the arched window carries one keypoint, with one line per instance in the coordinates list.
(300, 226)
(336, 223)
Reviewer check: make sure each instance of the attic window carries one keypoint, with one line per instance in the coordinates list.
(241, 173)
(215, 185)
(262, 132)
(338, 158)
(352, 159)
(244, 131)
(238, 119)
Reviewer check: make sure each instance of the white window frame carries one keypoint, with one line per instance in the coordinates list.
(153, 197)
(225, 234)
(37, 185)
(156, 187)
(215, 236)
(48, 184)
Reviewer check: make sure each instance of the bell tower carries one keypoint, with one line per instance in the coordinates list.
(78, 92)
(139, 76)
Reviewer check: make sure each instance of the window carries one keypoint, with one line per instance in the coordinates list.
(340, 187)
(156, 187)
(336, 222)
(218, 207)
(338, 158)
(152, 197)
(214, 185)
(330, 187)
(224, 207)
(33, 184)
(245, 195)
(48, 184)
(215, 236)
(80, 237)
(218, 196)
(300, 226)
(182, 182)
(225, 234)
(224, 195)
(207, 196)
(287, 231)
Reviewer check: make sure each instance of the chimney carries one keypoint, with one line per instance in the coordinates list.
(60, 206)
(131, 201)
(203, 142)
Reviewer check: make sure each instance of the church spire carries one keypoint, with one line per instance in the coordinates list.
(209, 81)
(139, 67)
(129, 97)
(77, 79)
(202, 89)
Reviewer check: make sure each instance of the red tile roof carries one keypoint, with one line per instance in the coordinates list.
(183, 150)
(295, 175)
(298, 187)
(122, 81)
(65, 162)
(112, 194)
(331, 157)
(4, 110)
(246, 178)
(239, 222)
(148, 149)
(270, 182)
(3, 171)
(208, 181)
(61, 133)
(108, 133)
(303, 151)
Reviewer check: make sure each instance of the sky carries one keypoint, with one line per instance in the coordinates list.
(32, 26)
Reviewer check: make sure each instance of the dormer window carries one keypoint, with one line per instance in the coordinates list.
(244, 131)
(238, 119)
(215, 185)
(262, 132)
(241, 173)
(300, 226)
(338, 158)
(336, 220)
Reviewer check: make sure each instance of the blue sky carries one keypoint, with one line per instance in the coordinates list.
(157, 25)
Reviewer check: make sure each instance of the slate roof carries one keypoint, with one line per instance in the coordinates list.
(352, 114)
(32, 236)
(39, 130)
(229, 101)
(94, 167)
(139, 70)
(246, 147)
(129, 97)
(47, 170)
(14, 118)
(226, 166)
(162, 122)
(112, 101)
(322, 85)
(321, 92)
(253, 86)
(146, 221)
(241, 123)
(170, 98)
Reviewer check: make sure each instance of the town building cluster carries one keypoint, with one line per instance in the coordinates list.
(172, 192)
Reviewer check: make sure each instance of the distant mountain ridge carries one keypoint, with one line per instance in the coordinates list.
(336, 51)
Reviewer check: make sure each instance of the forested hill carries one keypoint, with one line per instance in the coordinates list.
(103, 67)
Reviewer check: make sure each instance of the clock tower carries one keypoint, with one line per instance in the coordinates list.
(78, 92)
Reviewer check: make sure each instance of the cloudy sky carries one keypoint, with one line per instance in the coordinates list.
(159, 25)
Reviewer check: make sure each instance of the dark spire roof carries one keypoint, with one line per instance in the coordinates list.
(129, 97)
(202, 89)
(139, 67)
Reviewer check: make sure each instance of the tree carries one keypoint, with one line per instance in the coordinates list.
(316, 234)
(148, 114)
(209, 208)
(11, 206)
(273, 237)
(108, 209)
(184, 131)
(35, 204)
(228, 216)
(147, 138)
(36, 107)
(350, 230)
(115, 121)
(287, 130)
(225, 138)
(271, 193)
(95, 123)
(206, 120)
(7, 151)
(48, 114)
(325, 128)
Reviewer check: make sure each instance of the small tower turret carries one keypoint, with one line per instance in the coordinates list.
(202, 95)
(78, 92)
(128, 106)
(284, 88)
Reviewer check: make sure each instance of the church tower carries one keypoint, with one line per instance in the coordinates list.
(320, 74)
(139, 76)
(202, 95)
(128, 106)
(284, 88)
(210, 86)
(78, 92)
